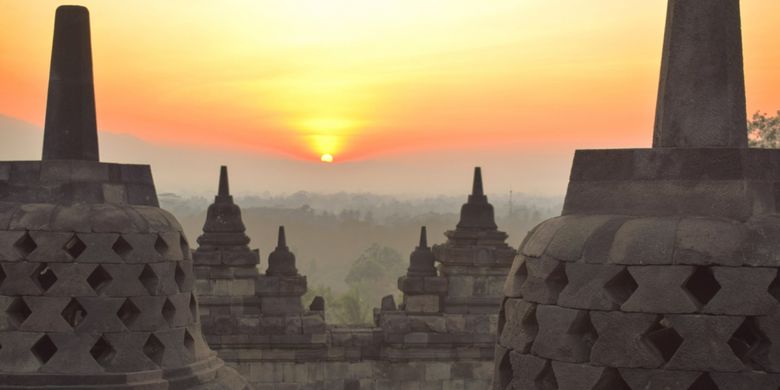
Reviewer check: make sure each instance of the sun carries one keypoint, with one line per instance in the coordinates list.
(326, 158)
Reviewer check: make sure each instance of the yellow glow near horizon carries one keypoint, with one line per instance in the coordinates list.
(327, 158)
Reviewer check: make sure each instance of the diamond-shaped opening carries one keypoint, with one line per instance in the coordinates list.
(557, 279)
(18, 311)
(180, 276)
(620, 287)
(154, 349)
(169, 311)
(2, 275)
(747, 339)
(25, 245)
(193, 308)
(704, 382)
(149, 279)
(102, 352)
(546, 379)
(160, 246)
(121, 247)
(189, 342)
(99, 279)
(583, 327)
(611, 380)
(702, 285)
(74, 247)
(774, 287)
(185, 246)
(664, 339)
(128, 312)
(74, 313)
(44, 349)
(44, 277)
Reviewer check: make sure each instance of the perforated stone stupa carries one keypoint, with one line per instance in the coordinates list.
(95, 279)
(662, 272)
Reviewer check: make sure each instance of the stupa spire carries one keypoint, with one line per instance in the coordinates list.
(423, 237)
(70, 132)
(224, 186)
(476, 188)
(281, 241)
(701, 94)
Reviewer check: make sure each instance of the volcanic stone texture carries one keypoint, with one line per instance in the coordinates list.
(96, 294)
(643, 302)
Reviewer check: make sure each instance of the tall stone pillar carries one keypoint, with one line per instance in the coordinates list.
(96, 281)
(662, 272)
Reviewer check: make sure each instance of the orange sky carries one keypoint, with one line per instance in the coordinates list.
(368, 80)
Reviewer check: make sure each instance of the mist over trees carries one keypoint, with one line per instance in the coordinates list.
(353, 247)
(764, 130)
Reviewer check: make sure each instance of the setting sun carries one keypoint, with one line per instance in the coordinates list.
(328, 158)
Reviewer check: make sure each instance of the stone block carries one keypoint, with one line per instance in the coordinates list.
(142, 248)
(40, 317)
(280, 286)
(72, 353)
(313, 324)
(705, 345)
(564, 334)
(411, 284)
(599, 244)
(531, 372)
(573, 376)
(516, 278)
(569, 240)
(521, 327)
(100, 218)
(596, 286)
(422, 303)
(202, 257)
(746, 380)
(280, 305)
(436, 284)
(706, 241)
(114, 193)
(50, 247)
(15, 356)
(644, 241)
(125, 280)
(661, 290)
(546, 279)
(32, 217)
(658, 379)
(625, 342)
(98, 248)
(100, 315)
(743, 291)
(539, 238)
(19, 279)
(8, 250)
(148, 313)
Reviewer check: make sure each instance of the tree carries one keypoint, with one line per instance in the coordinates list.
(351, 308)
(764, 130)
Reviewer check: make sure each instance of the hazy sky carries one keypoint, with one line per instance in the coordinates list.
(407, 95)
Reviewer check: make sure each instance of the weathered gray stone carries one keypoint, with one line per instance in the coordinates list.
(660, 290)
(624, 343)
(564, 334)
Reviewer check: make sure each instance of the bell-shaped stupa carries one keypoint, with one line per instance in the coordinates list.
(95, 279)
(662, 272)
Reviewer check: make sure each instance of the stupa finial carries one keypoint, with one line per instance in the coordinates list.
(701, 94)
(423, 237)
(282, 239)
(476, 189)
(224, 186)
(70, 132)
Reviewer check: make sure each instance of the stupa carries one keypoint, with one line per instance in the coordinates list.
(475, 259)
(662, 272)
(95, 279)
(225, 266)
